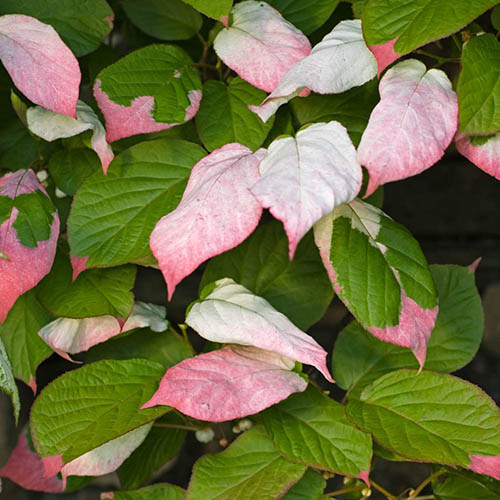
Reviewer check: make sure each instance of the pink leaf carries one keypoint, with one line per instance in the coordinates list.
(124, 121)
(22, 267)
(384, 54)
(233, 314)
(232, 382)
(41, 66)
(485, 156)
(260, 45)
(216, 213)
(411, 126)
(485, 465)
(78, 264)
(306, 177)
(26, 468)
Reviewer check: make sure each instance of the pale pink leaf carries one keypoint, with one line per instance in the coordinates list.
(485, 156)
(21, 267)
(338, 63)
(411, 126)
(216, 213)
(260, 45)
(26, 468)
(51, 126)
(233, 314)
(306, 177)
(229, 383)
(384, 54)
(41, 66)
(485, 465)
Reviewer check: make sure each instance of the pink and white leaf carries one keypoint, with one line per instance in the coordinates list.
(233, 314)
(412, 125)
(25, 468)
(21, 267)
(306, 177)
(51, 126)
(260, 45)
(338, 63)
(384, 54)
(485, 465)
(485, 156)
(216, 213)
(41, 66)
(229, 383)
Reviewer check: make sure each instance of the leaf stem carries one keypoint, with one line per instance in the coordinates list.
(457, 43)
(382, 490)
(439, 59)
(205, 65)
(345, 490)
(424, 483)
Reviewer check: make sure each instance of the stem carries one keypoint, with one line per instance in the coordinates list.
(345, 490)
(382, 490)
(424, 483)
(439, 59)
(205, 65)
(425, 497)
(177, 426)
(457, 43)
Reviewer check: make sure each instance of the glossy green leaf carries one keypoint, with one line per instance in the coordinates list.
(428, 416)
(300, 288)
(161, 445)
(82, 24)
(18, 149)
(359, 358)
(216, 9)
(166, 20)
(478, 87)
(92, 405)
(224, 116)
(159, 491)
(307, 16)
(19, 333)
(95, 292)
(465, 485)
(248, 469)
(417, 22)
(7, 382)
(312, 429)
(113, 215)
(310, 487)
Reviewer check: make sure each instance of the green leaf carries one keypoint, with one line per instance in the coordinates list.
(351, 108)
(34, 220)
(307, 16)
(300, 288)
(92, 405)
(19, 333)
(357, 7)
(310, 487)
(159, 491)
(5, 208)
(212, 8)
(166, 20)
(224, 116)
(495, 17)
(418, 22)
(94, 293)
(430, 417)
(82, 24)
(113, 215)
(165, 348)
(359, 358)
(478, 86)
(18, 149)
(465, 485)
(250, 468)
(312, 429)
(7, 382)
(161, 445)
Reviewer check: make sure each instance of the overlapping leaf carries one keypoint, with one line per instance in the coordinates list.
(7, 382)
(218, 9)
(159, 491)
(484, 152)
(460, 484)
(310, 487)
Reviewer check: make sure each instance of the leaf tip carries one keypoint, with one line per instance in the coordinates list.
(473, 267)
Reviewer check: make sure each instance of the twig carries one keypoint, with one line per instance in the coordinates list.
(424, 483)
(345, 490)
(382, 490)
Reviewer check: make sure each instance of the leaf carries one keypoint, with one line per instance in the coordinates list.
(217, 9)
(300, 289)
(380, 273)
(478, 86)
(113, 215)
(250, 468)
(7, 382)
(224, 116)
(312, 429)
(338, 63)
(159, 491)
(51, 126)
(24, 347)
(460, 485)
(217, 209)
(309, 487)
(148, 90)
(408, 25)
(29, 228)
(359, 358)
(146, 315)
(82, 25)
(232, 314)
(172, 20)
(228, 383)
(260, 45)
(18, 149)
(39, 63)
(430, 417)
(93, 405)
(94, 293)
(161, 445)
(297, 188)
(411, 126)
(486, 156)
(307, 17)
